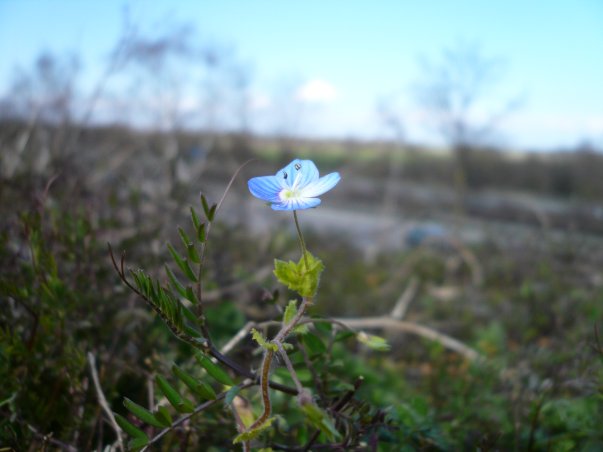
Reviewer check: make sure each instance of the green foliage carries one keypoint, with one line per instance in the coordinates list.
(182, 264)
(253, 433)
(131, 430)
(375, 342)
(213, 370)
(320, 420)
(197, 387)
(262, 342)
(290, 312)
(533, 317)
(181, 404)
(302, 277)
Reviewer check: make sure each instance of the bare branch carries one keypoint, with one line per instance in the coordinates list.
(405, 299)
(103, 401)
(412, 328)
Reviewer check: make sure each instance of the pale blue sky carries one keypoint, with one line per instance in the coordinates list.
(350, 54)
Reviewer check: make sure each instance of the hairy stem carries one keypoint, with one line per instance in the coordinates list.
(264, 379)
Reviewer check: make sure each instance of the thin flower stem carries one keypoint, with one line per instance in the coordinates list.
(302, 244)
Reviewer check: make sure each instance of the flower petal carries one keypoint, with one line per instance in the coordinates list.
(299, 173)
(296, 204)
(266, 188)
(322, 185)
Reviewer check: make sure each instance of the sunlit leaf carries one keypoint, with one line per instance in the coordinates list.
(300, 277)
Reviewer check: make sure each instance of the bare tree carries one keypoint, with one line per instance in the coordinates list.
(456, 92)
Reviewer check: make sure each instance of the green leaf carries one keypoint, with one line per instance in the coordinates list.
(192, 253)
(262, 342)
(176, 285)
(190, 295)
(314, 344)
(205, 206)
(186, 241)
(163, 415)
(300, 277)
(198, 387)
(129, 428)
(231, 394)
(251, 434)
(189, 314)
(212, 212)
(202, 233)
(214, 370)
(290, 312)
(182, 405)
(344, 335)
(142, 413)
(375, 342)
(195, 218)
(319, 419)
(195, 334)
(182, 264)
(137, 443)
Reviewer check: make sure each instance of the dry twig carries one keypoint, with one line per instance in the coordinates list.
(103, 401)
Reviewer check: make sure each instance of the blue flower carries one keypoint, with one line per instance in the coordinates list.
(295, 187)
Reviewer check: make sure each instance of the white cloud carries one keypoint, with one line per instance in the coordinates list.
(316, 91)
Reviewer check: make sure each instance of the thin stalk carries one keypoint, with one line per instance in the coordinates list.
(302, 244)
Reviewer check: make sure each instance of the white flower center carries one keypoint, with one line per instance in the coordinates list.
(288, 193)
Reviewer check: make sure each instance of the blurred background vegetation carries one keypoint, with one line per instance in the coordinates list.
(494, 247)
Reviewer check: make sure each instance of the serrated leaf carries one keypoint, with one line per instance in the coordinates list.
(300, 277)
(290, 312)
(129, 428)
(142, 413)
(375, 342)
(213, 370)
(251, 434)
(196, 386)
(182, 405)
(182, 264)
(321, 420)
(261, 340)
